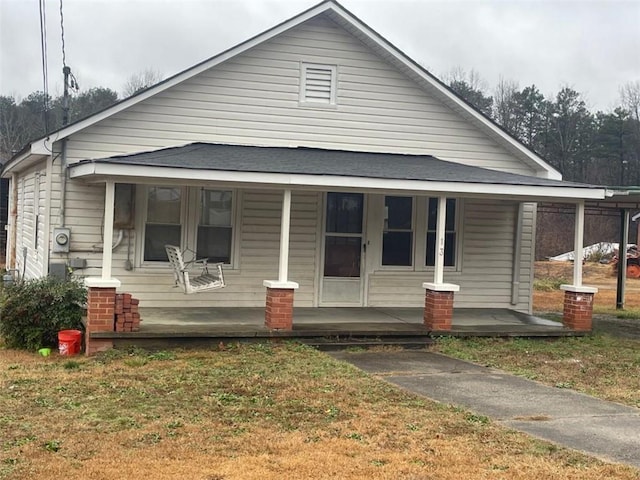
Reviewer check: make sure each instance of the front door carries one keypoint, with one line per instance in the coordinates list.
(342, 258)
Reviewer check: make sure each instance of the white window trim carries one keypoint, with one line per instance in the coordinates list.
(189, 215)
(304, 66)
(420, 208)
(400, 268)
(193, 218)
(457, 262)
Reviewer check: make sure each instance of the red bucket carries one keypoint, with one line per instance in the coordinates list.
(69, 342)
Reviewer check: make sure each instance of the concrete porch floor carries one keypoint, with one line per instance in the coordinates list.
(331, 321)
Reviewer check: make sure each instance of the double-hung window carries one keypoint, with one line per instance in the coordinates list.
(409, 232)
(198, 220)
(397, 236)
(163, 223)
(215, 229)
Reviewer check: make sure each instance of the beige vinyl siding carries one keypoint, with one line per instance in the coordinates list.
(254, 99)
(30, 223)
(259, 244)
(485, 271)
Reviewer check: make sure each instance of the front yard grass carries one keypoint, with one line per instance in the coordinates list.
(601, 364)
(260, 411)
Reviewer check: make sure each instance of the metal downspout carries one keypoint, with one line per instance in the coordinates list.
(63, 182)
(517, 253)
(11, 264)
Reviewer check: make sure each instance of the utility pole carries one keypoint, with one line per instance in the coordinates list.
(65, 99)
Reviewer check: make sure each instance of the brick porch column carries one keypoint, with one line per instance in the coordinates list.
(438, 305)
(278, 313)
(578, 307)
(101, 301)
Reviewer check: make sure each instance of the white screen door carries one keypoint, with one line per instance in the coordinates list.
(342, 258)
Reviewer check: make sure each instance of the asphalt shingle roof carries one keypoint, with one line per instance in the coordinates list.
(316, 161)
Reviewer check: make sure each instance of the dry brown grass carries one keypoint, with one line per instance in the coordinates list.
(249, 412)
(594, 274)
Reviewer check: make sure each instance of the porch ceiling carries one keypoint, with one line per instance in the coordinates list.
(323, 169)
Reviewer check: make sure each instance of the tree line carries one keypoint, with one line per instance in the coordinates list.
(22, 121)
(599, 147)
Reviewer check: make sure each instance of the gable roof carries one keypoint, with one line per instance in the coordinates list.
(341, 16)
(317, 167)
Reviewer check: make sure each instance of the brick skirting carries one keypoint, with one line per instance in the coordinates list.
(279, 309)
(578, 310)
(438, 310)
(100, 317)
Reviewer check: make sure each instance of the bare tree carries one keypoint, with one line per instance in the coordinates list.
(140, 81)
(471, 87)
(506, 106)
(630, 95)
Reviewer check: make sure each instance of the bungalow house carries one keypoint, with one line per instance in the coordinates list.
(317, 162)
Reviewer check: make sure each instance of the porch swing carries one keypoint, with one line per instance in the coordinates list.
(206, 280)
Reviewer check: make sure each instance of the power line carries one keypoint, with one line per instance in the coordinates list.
(70, 81)
(64, 56)
(43, 52)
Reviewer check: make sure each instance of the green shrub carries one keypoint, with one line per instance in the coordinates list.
(32, 312)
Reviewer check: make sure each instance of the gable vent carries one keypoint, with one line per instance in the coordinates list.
(318, 84)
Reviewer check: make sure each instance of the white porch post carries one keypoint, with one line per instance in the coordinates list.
(438, 302)
(109, 199)
(578, 248)
(101, 297)
(279, 302)
(283, 269)
(578, 299)
(438, 270)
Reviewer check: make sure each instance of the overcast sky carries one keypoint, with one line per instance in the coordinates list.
(591, 46)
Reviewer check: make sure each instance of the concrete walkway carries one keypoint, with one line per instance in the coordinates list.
(603, 429)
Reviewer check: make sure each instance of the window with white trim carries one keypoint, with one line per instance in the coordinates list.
(198, 220)
(318, 84)
(215, 225)
(397, 235)
(450, 233)
(163, 222)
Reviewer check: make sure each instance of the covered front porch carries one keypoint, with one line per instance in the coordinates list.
(331, 326)
(411, 232)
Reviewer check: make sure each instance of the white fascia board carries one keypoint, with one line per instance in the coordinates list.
(103, 171)
(550, 172)
(25, 160)
(191, 72)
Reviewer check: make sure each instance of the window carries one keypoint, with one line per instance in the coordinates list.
(163, 223)
(215, 226)
(449, 236)
(397, 236)
(318, 84)
(206, 215)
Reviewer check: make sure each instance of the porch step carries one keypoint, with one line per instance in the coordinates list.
(366, 342)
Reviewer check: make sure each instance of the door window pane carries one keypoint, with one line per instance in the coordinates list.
(342, 256)
(215, 230)
(163, 226)
(344, 212)
(397, 237)
(449, 236)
